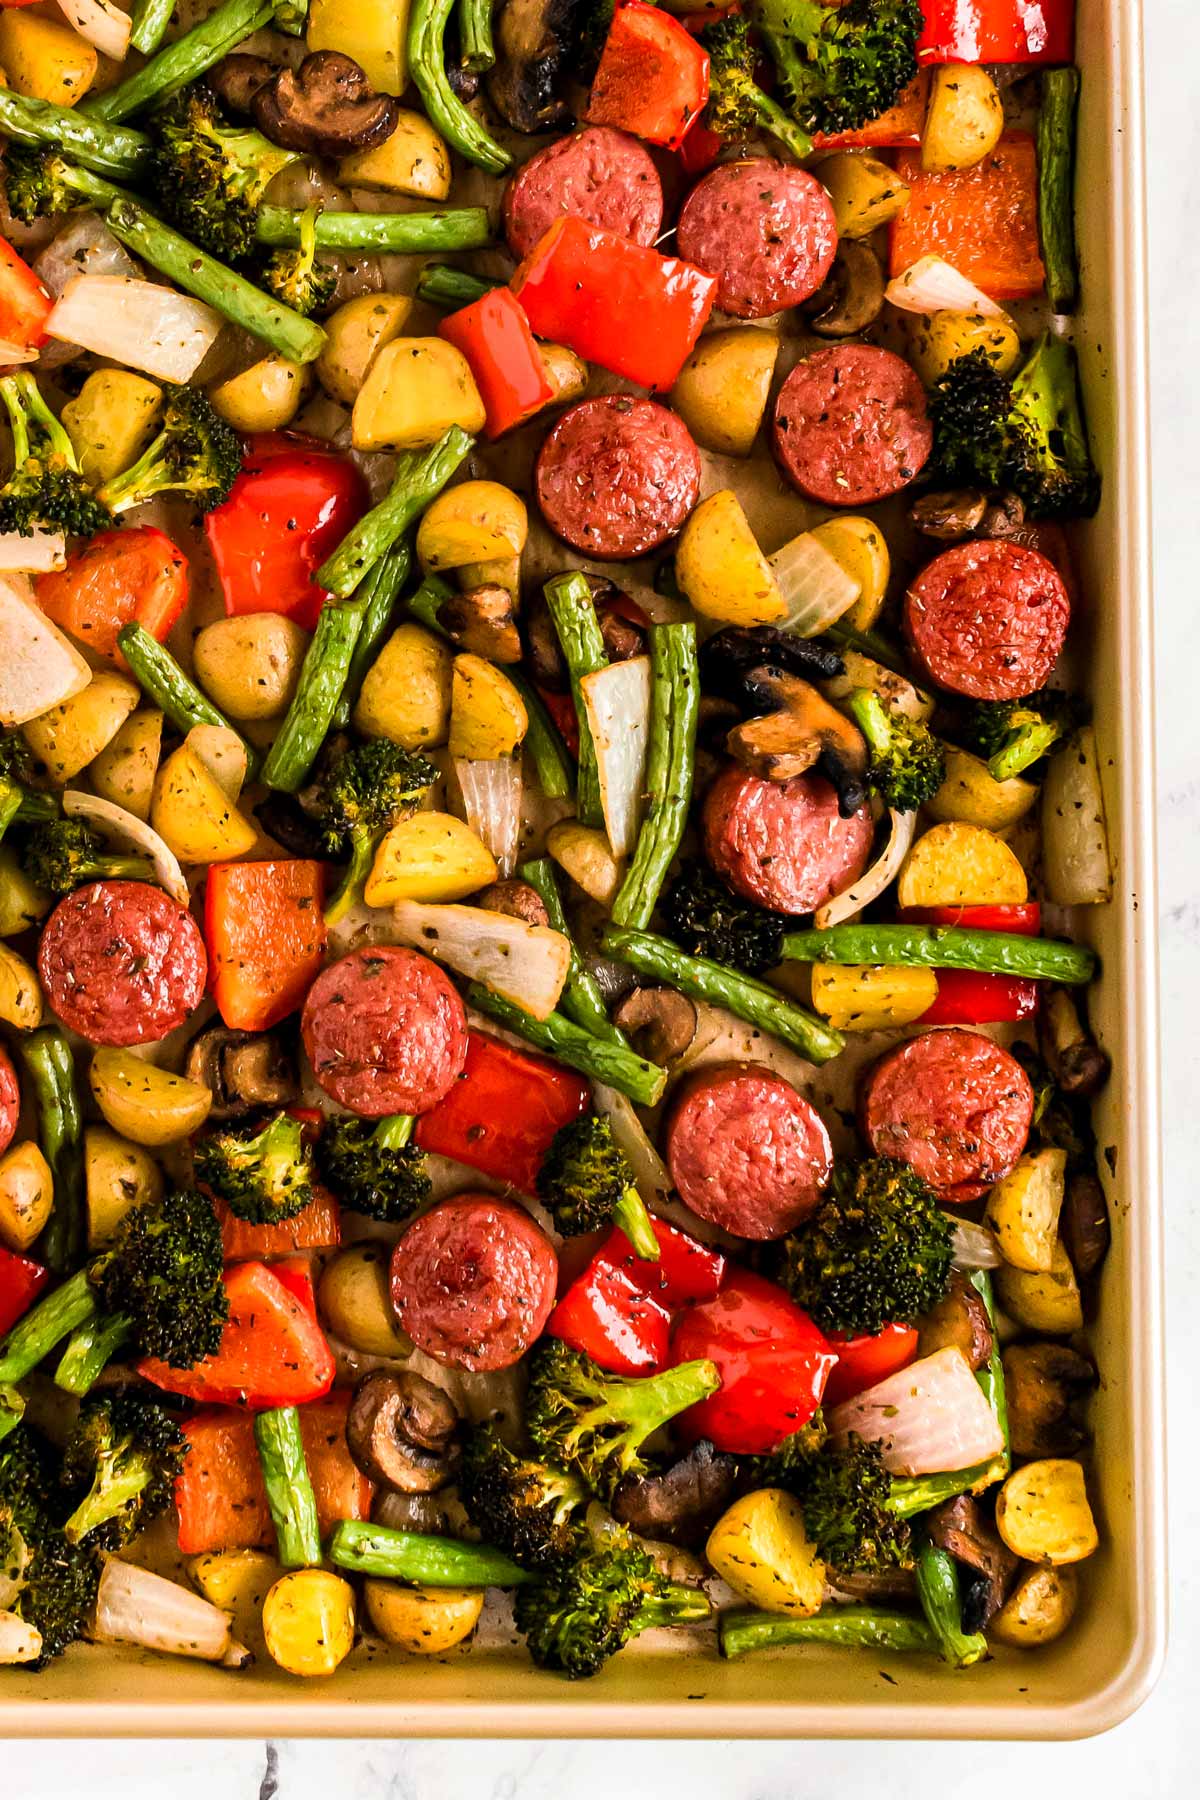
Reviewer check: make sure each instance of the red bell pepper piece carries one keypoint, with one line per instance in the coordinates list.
(772, 1359)
(653, 77)
(25, 304)
(866, 1358)
(619, 1309)
(135, 575)
(621, 305)
(686, 1270)
(273, 1353)
(295, 1272)
(982, 220)
(561, 708)
(898, 128)
(318, 1226)
(265, 935)
(21, 1281)
(494, 336)
(501, 1115)
(1021, 917)
(287, 510)
(997, 31)
(699, 149)
(967, 998)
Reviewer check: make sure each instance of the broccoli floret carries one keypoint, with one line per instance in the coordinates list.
(211, 175)
(907, 763)
(46, 490)
(789, 1457)
(263, 1171)
(876, 1251)
(586, 1183)
(583, 1419)
(195, 452)
(125, 1453)
(356, 799)
(528, 1508)
(737, 106)
(62, 854)
(840, 67)
(50, 1583)
(1013, 735)
(589, 1608)
(1027, 435)
(163, 1272)
(295, 276)
(844, 1495)
(20, 798)
(706, 919)
(39, 181)
(371, 1167)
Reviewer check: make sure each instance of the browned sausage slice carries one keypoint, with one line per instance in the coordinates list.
(473, 1282)
(783, 844)
(765, 229)
(953, 1105)
(617, 476)
(122, 963)
(598, 174)
(988, 619)
(851, 425)
(385, 1032)
(747, 1152)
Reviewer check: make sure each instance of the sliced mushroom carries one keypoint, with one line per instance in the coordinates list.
(237, 79)
(516, 899)
(244, 1071)
(1076, 1060)
(403, 1432)
(728, 655)
(622, 638)
(661, 1022)
(283, 818)
(535, 45)
(949, 516)
(1003, 515)
(483, 621)
(958, 1321)
(1045, 1386)
(800, 731)
(543, 653)
(681, 1504)
(1083, 1226)
(851, 297)
(326, 106)
(959, 1527)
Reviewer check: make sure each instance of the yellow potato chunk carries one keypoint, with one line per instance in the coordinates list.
(1043, 1513)
(146, 1103)
(406, 694)
(1042, 1299)
(861, 549)
(961, 865)
(1022, 1209)
(354, 336)
(26, 1196)
(433, 857)
(44, 58)
(308, 1621)
(423, 1621)
(373, 32)
(194, 816)
(721, 569)
(721, 392)
(415, 390)
(475, 521)
(865, 998)
(119, 1176)
(68, 737)
(414, 160)
(970, 794)
(965, 117)
(487, 715)
(760, 1547)
(111, 420)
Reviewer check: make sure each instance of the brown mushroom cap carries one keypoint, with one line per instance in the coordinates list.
(1083, 1223)
(516, 900)
(327, 106)
(237, 78)
(402, 1431)
(679, 1505)
(244, 1070)
(661, 1022)
(851, 296)
(798, 730)
(1046, 1386)
(949, 516)
(959, 1527)
(483, 621)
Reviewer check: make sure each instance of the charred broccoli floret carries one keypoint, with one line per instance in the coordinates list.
(907, 763)
(263, 1171)
(46, 490)
(210, 174)
(49, 1582)
(62, 854)
(877, 1250)
(737, 106)
(844, 1494)
(163, 1272)
(356, 799)
(586, 1183)
(583, 1419)
(124, 1454)
(840, 66)
(528, 1508)
(20, 798)
(1013, 735)
(294, 275)
(706, 919)
(39, 181)
(194, 453)
(591, 1607)
(371, 1167)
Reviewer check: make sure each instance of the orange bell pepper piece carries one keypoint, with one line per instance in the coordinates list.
(984, 221)
(134, 575)
(494, 336)
(272, 1353)
(317, 1227)
(266, 937)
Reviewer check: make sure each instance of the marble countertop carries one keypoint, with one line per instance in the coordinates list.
(1147, 1754)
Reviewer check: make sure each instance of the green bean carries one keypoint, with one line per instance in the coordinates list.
(581, 997)
(477, 51)
(51, 1320)
(544, 745)
(1056, 186)
(198, 50)
(290, 1496)
(941, 1599)
(51, 1067)
(322, 677)
(90, 1349)
(150, 21)
(420, 1557)
(753, 1001)
(380, 588)
(197, 273)
(850, 1627)
(399, 234)
(105, 149)
(12, 1410)
(162, 680)
(420, 476)
(427, 66)
(441, 285)
(945, 947)
(598, 1058)
(670, 771)
(569, 598)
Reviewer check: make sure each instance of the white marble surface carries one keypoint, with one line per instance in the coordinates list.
(1146, 1756)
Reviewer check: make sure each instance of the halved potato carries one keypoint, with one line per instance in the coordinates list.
(406, 693)
(865, 191)
(760, 1547)
(864, 998)
(415, 390)
(432, 856)
(354, 336)
(722, 390)
(423, 1621)
(721, 569)
(20, 992)
(125, 769)
(1042, 1299)
(68, 737)
(26, 1196)
(970, 794)
(861, 548)
(1022, 1209)
(1043, 1513)
(194, 816)
(1039, 1609)
(965, 118)
(413, 160)
(961, 865)
(487, 715)
(475, 521)
(586, 855)
(119, 1175)
(938, 339)
(146, 1103)
(264, 397)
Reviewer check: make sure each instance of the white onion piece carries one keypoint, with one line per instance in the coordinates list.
(650, 1175)
(136, 323)
(83, 246)
(127, 832)
(32, 553)
(928, 1419)
(815, 587)
(19, 1642)
(13, 355)
(39, 666)
(1074, 830)
(491, 796)
(100, 25)
(974, 1246)
(616, 700)
(872, 882)
(527, 964)
(135, 1606)
(932, 285)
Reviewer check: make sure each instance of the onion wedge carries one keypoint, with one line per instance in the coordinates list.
(135, 1606)
(932, 285)
(39, 666)
(616, 700)
(491, 797)
(928, 1419)
(33, 552)
(127, 832)
(99, 24)
(815, 587)
(526, 964)
(1074, 830)
(974, 1246)
(136, 323)
(872, 881)
(19, 1642)
(13, 355)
